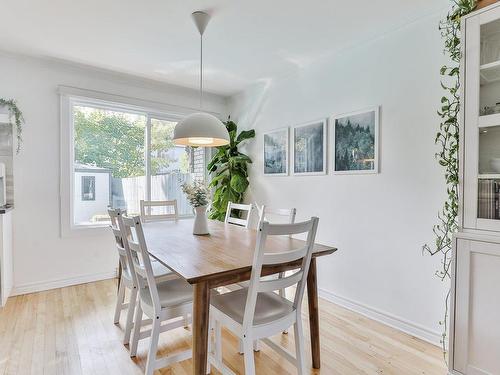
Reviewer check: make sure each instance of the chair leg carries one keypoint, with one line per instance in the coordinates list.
(137, 329)
(130, 315)
(282, 293)
(119, 302)
(241, 349)
(248, 356)
(186, 320)
(153, 347)
(256, 346)
(210, 344)
(299, 345)
(218, 341)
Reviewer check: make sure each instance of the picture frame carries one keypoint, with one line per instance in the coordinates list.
(309, 148)
(276, 152)
(347, 158)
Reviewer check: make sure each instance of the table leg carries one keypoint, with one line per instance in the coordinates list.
(312, 296)
(201, 309)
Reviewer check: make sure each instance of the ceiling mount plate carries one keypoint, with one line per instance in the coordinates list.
(201, 20)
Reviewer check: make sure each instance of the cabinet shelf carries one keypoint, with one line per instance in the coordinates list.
(490, 72)
(489, 176)
(489, 120)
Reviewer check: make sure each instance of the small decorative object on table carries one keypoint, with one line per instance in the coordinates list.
(197, 194)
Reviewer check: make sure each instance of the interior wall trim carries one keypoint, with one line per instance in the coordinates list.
(414, 329)
(61, 283)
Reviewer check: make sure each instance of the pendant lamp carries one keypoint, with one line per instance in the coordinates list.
(201, 128)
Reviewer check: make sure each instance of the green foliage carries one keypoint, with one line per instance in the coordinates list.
(447, 138)
(117, 141)
(197, 194)
(15, 112)
(229, 169)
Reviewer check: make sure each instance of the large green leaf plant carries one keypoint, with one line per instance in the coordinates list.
(229, 170)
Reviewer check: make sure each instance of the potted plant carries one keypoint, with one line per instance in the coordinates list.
(15, 112)
(198, 195)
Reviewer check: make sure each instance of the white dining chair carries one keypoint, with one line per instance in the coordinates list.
(276, 216)
(126, 280)
(159, 210)
(242, 222)
(256, 312)
(169, 300)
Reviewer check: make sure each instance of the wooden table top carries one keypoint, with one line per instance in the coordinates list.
(228, 250)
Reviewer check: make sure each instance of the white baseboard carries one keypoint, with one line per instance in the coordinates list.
(393, 321)
(60, 283)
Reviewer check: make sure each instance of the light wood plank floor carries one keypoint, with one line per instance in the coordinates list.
(70, 331)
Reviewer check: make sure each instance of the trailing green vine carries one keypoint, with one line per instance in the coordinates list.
(15, 112)
(447, 138)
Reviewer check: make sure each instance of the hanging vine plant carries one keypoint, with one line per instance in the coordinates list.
(447, 139)
(14, 112)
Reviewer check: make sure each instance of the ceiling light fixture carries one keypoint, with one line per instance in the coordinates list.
(201, 129)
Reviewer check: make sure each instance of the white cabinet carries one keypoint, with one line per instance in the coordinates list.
(476, 315)
(6, 267)
(475, 300)
(481, 114)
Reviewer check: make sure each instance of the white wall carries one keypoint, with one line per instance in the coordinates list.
(378, 222)
(41, 257)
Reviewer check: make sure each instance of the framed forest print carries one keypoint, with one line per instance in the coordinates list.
(355, 142)
(309, 148)
(276, 152)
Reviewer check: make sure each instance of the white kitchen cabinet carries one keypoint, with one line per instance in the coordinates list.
(475, 323)
(6, 267)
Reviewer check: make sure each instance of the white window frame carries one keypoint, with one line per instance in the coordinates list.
(69, 97)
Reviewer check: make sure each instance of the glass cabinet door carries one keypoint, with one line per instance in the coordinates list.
(482, 122)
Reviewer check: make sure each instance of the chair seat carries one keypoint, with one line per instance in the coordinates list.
(171, 293)
(159, 269)
(269, 306)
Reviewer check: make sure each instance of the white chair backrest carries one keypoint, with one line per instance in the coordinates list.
(135, 245)
(115, 215)
(236, 220)
(283, 215)
(262, 257)
(159, 210)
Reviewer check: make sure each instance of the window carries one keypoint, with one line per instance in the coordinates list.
(119, 155)
(88, 188)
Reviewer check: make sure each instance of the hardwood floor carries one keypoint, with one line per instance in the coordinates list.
(71, 331)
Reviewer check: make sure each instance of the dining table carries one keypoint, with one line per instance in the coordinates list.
(221, 258)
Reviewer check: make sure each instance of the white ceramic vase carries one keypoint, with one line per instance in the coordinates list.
(200, 226)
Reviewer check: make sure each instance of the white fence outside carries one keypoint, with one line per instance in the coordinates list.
(127, 192)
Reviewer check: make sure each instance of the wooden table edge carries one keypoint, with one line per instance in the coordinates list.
(217, 279)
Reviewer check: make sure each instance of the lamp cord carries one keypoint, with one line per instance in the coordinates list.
(201, 71)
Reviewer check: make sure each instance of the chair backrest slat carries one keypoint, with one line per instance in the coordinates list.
(280, 283)
(283, 215)
(170, 208)
(266, 213)
(236, 220)
(262, 256)
(284, 257)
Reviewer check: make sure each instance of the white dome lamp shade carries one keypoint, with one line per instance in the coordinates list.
(201, 129)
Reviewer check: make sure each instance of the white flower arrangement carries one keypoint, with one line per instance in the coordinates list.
(197, 194)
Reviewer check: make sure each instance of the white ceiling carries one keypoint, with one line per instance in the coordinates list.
(246, 40)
